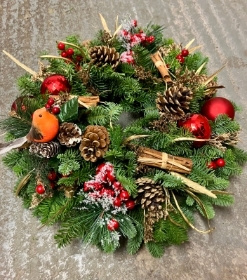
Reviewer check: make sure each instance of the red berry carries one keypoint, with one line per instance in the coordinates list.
(107, 192)
(125, 32)
(112, 225)
(55, 110)
(180, 58)
(110, 177)
(184, 52)
(64, 54)
(52, 175)
(130, 204)
(97, 186)
(117, 202)
(220, 162)
(150, 39)
(52, 185)
(86, 187)
(134, 22)
(70, 51)
(40, 189)
(50, 101)
(212, 165)
(117, 186)
(23, 108)
(124, 195)
(78, 58)
(61, 46)
(47, 106)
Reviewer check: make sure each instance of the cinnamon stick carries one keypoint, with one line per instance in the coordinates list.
(161, 66)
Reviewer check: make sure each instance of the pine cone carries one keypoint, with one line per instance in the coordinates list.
(69, 134)
(151, 197)
(194, 81)
(46, 150)
(94, 144)
(102, 56)
(175, 100)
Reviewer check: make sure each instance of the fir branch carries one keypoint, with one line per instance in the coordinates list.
(69, 161)
(156, 249)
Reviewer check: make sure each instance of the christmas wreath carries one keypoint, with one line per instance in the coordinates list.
(122, 138)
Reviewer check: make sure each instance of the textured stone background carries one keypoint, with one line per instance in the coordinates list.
(29, 26)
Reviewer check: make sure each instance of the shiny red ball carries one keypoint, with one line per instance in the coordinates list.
(112, 225)
(40, 189)
(199, 126)
(216, 106)
(55, 84)
(220, 162)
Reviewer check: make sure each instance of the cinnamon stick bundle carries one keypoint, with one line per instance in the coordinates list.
(163, 160)
(161, 66)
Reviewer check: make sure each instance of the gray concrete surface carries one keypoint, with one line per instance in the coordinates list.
(29, 26)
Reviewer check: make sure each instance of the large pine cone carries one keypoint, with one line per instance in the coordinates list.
(95, 142)
(46, 150)
(151, 197)
(103, 55)
(175, 100)
(69, 134)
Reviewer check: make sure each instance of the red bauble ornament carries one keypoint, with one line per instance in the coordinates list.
(220, 162)
(55, 84)
(40, 189)
(112, 225)
(130, 204)
(216, 106)
(199, 126)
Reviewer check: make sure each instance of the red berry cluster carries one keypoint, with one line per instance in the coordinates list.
(50, 105)
(180, 57)
(110, 193)
(69, 53)
(134, 37)
(219, 162)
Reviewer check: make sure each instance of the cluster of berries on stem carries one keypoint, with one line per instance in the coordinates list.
(69, 53)
(217, 163)
(181, 57)
(106, 190)
(50, 105)
(130, 37)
